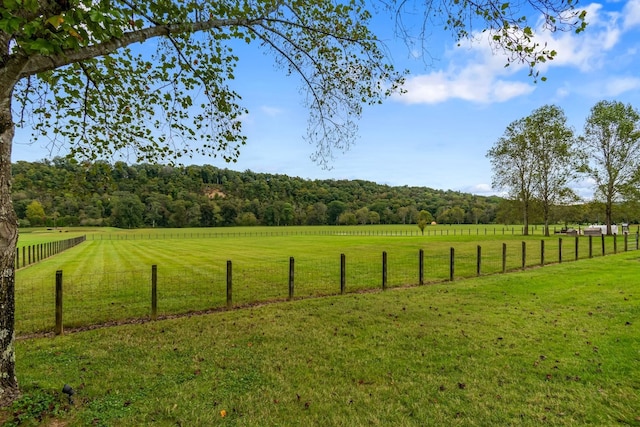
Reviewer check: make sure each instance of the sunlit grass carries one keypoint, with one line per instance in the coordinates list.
(109, 279)
(552, 346)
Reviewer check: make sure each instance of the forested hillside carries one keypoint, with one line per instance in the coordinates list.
(62, 192)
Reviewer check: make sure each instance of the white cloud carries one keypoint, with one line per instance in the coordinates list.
(585, 51)
(477, 74)
(481, 189)
(616, 86)
(631, 14)
(482, 79)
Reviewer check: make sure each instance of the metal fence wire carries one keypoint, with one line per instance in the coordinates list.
(51, 304)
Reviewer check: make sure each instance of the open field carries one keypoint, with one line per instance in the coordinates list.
(552, 346)
(108, 277)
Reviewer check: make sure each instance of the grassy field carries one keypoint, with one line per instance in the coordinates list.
(108, 277)
(553, 346)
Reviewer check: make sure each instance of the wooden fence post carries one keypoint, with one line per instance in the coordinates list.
(524, 255)
(421, 266)
(384, 270)
(602, 236)
(291, 276)
(59, 327)
(154, 292)
(590, 246)
(542, 252)
(343, 273)
(504, 257)
(560, 250)
(615, 243)
(626, 242)
(478, 260)
(452, 255)
(229, 284)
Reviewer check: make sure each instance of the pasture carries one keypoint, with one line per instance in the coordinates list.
(108, 277)
(547, 346)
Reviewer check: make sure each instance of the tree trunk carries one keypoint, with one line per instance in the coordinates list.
(608, 213)
(546, 219)
(525, 217)
(8, 240)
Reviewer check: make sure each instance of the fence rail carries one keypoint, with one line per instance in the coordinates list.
(51, 304)
(35, 253)
(441, 230)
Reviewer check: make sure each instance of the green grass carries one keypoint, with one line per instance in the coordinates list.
(108, 277)
(554, 346)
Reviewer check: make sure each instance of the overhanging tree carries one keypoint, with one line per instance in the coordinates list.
(74, 71)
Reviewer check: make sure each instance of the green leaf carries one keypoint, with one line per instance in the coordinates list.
(96, 16)
(11, 4)
(42, 46)
(10, 25)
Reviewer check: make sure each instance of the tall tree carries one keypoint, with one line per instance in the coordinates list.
(612, 140)
(513, 162)
(74, 65)
(35, 213)
(556, 158)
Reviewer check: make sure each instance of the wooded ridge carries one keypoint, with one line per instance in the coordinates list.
(62, 192)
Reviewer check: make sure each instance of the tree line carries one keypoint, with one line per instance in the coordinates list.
(539, 158)
(64, 192)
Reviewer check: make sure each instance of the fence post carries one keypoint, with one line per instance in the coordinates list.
(577, 247)
(421, 266)
(590, 246)
(626, 242)
(560, 250)
(602, 235)
(229, 284)
(478, 260)
(524, 255)
(58, 328)
(542, 252)
(504, 257)
(384, 270)
(154, 292)
(291, 273)
(452, 254)
(637, 243)
(24, 258)
(343, 273)
(615, 243)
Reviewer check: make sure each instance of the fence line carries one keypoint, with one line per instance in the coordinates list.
(35, 253)
(86, 300)
(441, 230)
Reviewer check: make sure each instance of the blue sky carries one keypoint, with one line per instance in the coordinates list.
(458, 103)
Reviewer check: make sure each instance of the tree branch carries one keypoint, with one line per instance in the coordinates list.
(40, 63)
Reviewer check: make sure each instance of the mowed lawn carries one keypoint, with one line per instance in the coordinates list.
(548, 346)
(108, 277)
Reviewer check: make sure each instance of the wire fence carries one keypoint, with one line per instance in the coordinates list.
(440, 230)
(51, 304)
(31, 254)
